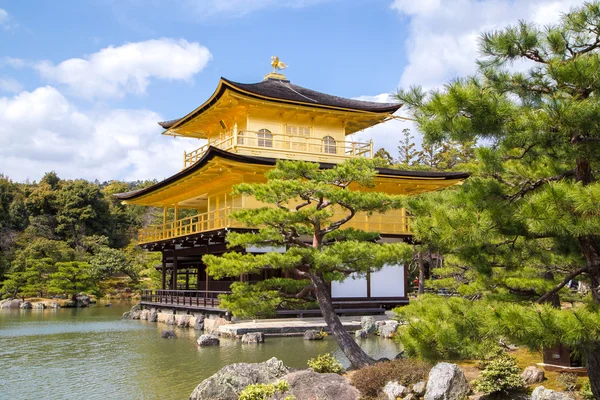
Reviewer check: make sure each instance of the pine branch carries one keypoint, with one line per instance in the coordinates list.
(531, 186)
(566, 280)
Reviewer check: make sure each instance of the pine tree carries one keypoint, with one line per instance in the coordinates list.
(302, 201)
(406, 150)
(528, 222)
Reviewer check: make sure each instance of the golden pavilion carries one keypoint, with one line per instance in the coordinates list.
(245, 128)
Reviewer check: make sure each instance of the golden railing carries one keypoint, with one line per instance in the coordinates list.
(394, 222)
(284, 143)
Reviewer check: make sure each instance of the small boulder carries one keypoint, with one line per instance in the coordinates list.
(253, 338)
(26, 305)
(379, 324)
(153, 316)
(83, 300)
(55, 305)
(199, 323)
(233, 378)
(171, 320)
(69, 304)
(183, 321)
(393, 389)
(168, 335)
(361, 333)
(144, 315)
(532, 375)
(312, 334)
(208, 340)
(541, 393)
(368, 324)
(108, 305)
(446, 382)
(39, 306)
(307, 384)
(10, 304)
(135, 314)
(418, 388)
(388, 330)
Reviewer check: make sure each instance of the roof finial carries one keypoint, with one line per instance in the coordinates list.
(277, 65)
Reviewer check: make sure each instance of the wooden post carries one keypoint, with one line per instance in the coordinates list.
(369, 284)
(174, 273)
(164, 222)
(164, 274)
(187, 279)
(175, 218)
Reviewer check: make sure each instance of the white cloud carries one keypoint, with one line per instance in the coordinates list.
(114, 71)
(443, 35)
(42, 131)
(6, 22)
(10, 85)
(236, 8)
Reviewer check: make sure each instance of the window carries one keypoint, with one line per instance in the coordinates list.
(265, 138)
(329, 145)
(297, 130)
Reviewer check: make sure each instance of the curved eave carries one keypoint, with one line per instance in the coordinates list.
(225, 84)
(213, 152)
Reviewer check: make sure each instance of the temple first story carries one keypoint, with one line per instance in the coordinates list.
(187, 288)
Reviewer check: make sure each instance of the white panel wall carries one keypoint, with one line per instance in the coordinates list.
(349, 288)
(388, 282)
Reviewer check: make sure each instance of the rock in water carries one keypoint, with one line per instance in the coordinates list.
(26, 306)
(541, 393)
(83, 300)
(144, 315)
(39, 306)
(55, 305)
(368, 324)
(446, 382)
(171, 320)
(312, 334)
(168, 335)
(388, 330)
(253, 338)
(183, 321)
(208, 340)
(153, 316)
(532, 375)
(199, 323)
(232, 379)
(307, 384)
(394, 389)
(361, 333)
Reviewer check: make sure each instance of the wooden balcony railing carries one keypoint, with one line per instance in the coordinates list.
(394, 222)
(193, 298)
(304, 147)
(198, 223)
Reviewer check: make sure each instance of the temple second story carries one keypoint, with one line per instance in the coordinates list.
(278, 119)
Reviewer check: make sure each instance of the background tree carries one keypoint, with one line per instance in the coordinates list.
(407, 152)
(536, 188)
(302, 201)
(71, 278)
(383, 158)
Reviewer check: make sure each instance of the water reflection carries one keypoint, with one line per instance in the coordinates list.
(92, 354)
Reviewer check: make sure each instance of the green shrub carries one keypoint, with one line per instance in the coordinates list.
(586, 391)
(501, 374)
(262, 391)
(567, 381)
(371, 379)
(325, 364)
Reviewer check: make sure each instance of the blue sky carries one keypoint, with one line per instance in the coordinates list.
(82, 83)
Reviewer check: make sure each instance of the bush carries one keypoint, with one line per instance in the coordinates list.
(261, 391)
(586, 391)
(325, 364)
(370, 380)
(501, 374)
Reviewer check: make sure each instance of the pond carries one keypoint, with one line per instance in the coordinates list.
(90, 353)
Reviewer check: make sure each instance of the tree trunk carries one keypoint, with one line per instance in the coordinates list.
(421, 273)
(358, 358)
(593, 366)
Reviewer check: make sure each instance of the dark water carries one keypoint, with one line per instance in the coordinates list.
(92, 354)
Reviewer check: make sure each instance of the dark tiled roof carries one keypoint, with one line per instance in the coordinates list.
(284, 90)
(213, 152)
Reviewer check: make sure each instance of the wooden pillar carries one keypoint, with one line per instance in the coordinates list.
(187, 279)
(198, 276)
(164, 274)
(369, 284)
(174, 273)
(164, 222)
(207, 279)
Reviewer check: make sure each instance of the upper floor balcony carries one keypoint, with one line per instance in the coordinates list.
(265, 143)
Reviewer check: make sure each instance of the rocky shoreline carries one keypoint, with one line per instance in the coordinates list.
(15, 304)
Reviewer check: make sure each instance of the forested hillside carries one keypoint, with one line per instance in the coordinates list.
(64, 236)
